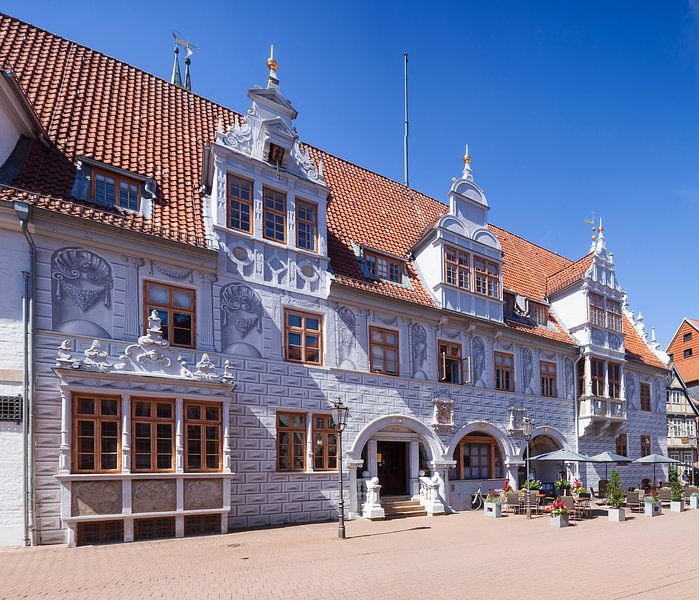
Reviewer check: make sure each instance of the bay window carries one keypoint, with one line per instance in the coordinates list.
(203, 442)
(457, 267)
(487, 278)
(96, 434)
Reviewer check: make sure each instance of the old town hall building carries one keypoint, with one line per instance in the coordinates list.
(186, 288)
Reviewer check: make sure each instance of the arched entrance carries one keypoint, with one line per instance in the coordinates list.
(546, 472)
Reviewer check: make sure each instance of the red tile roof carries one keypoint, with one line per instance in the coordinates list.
(568, 275)
(97, 107)
(688, 369)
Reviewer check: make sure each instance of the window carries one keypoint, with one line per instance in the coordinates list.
(504, 371)
(614, 377)
(153, 428)
(153, 529)
(548, 379)
(596, 309)
(687, 353)
(324, 443)
(202, 424)
(478, 457)
(100, 532)
(687, 337)
(457, 267)
(383, 267)
(112, 190)
(645, 396)
(202, 525)
(239, 204)
(274, 216)
(581, 378)
(509, 307)
(614, 320)
(96, 434)
(175, 308)
(538, 313)
(303, 337)
(487, 277)
(645, 445)
(597, 371)
(383, 351)
(675, 396)
(450, 363)
(306, 225)
(671, 356)
(622, 447)
(291, 442)
(276, 154)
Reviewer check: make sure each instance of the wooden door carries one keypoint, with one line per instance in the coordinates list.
(392, 468)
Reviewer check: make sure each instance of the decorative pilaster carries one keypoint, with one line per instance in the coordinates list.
(64, 450)
(132, 297)
(414, 469)
(588, 376)
(205, 330)
(179, 442)
(363, 337)
(371, 456)
(125, 434)
(405, 350)
(622, 382)
(606, 379)
(226, 437)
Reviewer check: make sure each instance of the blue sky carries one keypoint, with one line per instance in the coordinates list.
(568, 107)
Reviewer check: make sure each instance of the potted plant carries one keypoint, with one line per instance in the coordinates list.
(694, 500)
(652, 506)
(492, 507)
(531, 485)
(676, 498)
(507, 488)
(563, 486)
(615, 498)
(559, 514)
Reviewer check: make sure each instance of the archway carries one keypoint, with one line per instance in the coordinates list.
(546, 472)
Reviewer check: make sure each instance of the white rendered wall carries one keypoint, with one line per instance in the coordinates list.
(570, 308)
(9, 134)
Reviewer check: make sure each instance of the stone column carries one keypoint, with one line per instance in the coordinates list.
(179, 435)
(132, 298)
(606, 379)
(622, 383)
(588, 376)
(64, 463)
(125, 434)
(226, 438)
(352, 466)
(512, 472)
(205, 327)
(414, 469)
(371, 456)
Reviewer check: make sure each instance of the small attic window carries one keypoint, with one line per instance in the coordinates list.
(383, 267)
(115, 190)
(509, 306)
(276, 154)
(538, 313)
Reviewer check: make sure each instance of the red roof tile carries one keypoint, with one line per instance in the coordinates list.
(568, 275)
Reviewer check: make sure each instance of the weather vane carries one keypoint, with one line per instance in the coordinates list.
(593, 223)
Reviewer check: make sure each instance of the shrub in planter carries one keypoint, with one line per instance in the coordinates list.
(694, 500)
(492, 506)
(533, 484)
(652, 506)
(563, 486)
(676, 496)
(615, 498)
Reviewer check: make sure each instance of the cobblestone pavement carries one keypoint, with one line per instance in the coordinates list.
(456, 556)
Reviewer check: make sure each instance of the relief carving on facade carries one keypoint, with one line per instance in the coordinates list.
(418, 343)
(96, 358)
(346, 338)
(478, 361)
(153, 495)
(241, 320)
(443, 416)
(569, 378)
(203, 493)
(95, 498)
(615, 341)
(630, 389)
(170, 271)
(82, 289)
(597, 337)
(527, 370)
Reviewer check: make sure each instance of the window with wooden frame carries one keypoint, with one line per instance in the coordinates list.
(240, 204)
(457, 268)
(538, 313)
(596, 309)
(645, 445)
(622, 446)
(509, 305)
(645, 396)
(115, 190)
(451, 364)
(203, 443)
(597, 377)
(275, 155)
(581, 378)
(306, 225)
(274, 216)
(548, 379)
(383, 267)
(614, 319)
(487, 277)
(96, 434)
(504, 371)
(291, 442)
(153, 435)
(303, 335)
(99, 532)
(324, 443)
(614, 379)
(478, 456)
(687, 337)
(176, 309)
(383, 351)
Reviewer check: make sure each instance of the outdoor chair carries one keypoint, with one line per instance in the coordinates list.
(665, 496)
(602, 488)
(633, 501)
(687, 492)
(569, 501)
(511, 502)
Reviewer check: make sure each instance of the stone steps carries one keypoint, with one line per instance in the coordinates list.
(401, 507)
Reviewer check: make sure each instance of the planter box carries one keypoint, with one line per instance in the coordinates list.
(677, 506)
(652, 509)
(616, 515)
(558, 521)
(493, 510)
(694, 502)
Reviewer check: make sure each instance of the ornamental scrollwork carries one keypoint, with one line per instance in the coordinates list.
(241, 307)
(82, 276)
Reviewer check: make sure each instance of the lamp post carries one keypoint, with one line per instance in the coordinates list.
(527, 428)
(339, 413)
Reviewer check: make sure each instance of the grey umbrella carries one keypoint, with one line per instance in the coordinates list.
(562, 456)
(656, 459)
(609, 457)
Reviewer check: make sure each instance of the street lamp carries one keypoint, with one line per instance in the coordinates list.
(339, 412)
(527, 428)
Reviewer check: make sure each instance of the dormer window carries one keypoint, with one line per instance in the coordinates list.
(383, 267)
(605, 313)
(306, 225)
(596, 309)
(276, 154)
(274, 216)
(538, 313)
(457, 268)
(487, 277)
(509, 307)
(115, 190)
(239, 204)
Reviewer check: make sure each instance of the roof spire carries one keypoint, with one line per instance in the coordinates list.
(592, 222)
(187, 78)
(272, 80)
(467, 166)
(176, 79)
(601, 245)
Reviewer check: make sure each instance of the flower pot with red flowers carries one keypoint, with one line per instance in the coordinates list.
(558, 512)
(492, 507)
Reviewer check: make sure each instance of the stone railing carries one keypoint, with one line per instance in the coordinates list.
(429, 496)
(369, 498)
(597, 406)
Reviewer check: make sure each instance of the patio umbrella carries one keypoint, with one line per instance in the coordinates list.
(656, 459)
(609, 457)
(562, 456)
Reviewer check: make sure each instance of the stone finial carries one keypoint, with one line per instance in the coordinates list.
(467, 174)
(96, 357)
(64, 359)
(273, 66)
